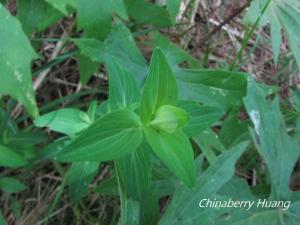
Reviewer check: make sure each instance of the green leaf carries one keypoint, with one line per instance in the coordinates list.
(184, 207)
(67, 121)
(134, 172)
(95, 17)
(16, 55)
(86, 68)
(201, 117)
(209, 143)
(281, 14)
(159, 89)
(123, 88)
(36, 14)
(130, 211)
(7, 125)
(51, 150)
(63, 5)
(218, 88)
(108, 138)
(287, 216)
(173, 8)
(103, 108)
(143, 12)
(236, 189)
(91, 112)
(26, 138)
(175, 151)
(169, 118)
(11, 185)
(173, 53)
(150, 211)
(160, 187)
(219, 79)
(264, 218)
(79, 177)
(276, 37)
(234, 130)
(278, 149)
(10, 158)
(119, 44)
(130, 208)
(108, 187)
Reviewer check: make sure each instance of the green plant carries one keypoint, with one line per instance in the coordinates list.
(170, 132)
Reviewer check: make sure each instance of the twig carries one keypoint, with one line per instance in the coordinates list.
(225, 21)
(54, 214)
(60, 81)
(39, 80)
(227, 28)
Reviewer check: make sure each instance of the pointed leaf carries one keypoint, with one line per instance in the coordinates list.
(67, 121)
(173, 9)
(184, 207)
(9, 158)
(63, 5)
(218, 88)
(143, 12)
(119, 44)
(123, 88)
(276, 38)
(159, 89)
(201, 117)
(95, 17)
(209, 144)
(277, 148)
(11, 185)
(16, 55)
(212, 87)
(134, 171)
(234, 130)
(79, 177)
(110, 137)
(175, 151)
(36, 14)
(86, 68)
(173, 53)
(130, 210)
(287, 215)
(169, 118)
